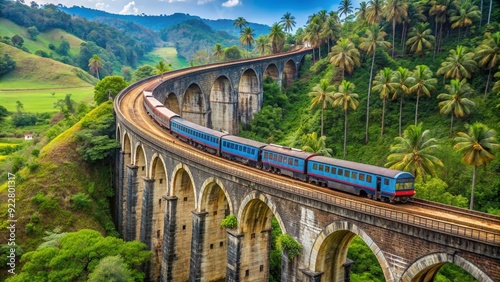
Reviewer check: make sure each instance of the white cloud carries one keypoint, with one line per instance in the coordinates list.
(129, 9)
(201, 2)
(101, 6)
(231, 3)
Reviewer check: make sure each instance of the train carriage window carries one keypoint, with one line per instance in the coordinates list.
(253, 151)
(334, 170)
(275, 157)
(321, 167)
(339, 172)
(290, 161)
(361, 177)
(284, 160)
(265, 155)
(327, 169)
(244, 149)
(386, 181)
(296, 162)
(280, 159)
(347, 173)
(315, 166)
(354, 175)
(369, 178)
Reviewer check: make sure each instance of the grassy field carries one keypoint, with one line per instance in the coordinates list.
(167, 54)
(42, 100)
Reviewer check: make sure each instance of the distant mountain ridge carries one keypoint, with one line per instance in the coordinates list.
(160, 22)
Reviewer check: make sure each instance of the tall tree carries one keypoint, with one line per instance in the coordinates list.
(315, 144)
(438, 9)
(322, 94)
(402, 82)
(477, 146)
(455, 101)
(383, 83)
(414, 152)
(288, 22)
(262, 44)
(330, 30)
(277, 38)
(423, 83)
(463, 15)
(161, 68)
(488, 55)
(361, 13)
(345, 8)
(240, 23)
(459, 64)
(247, 38)
(395, 11)
(345, 55)
(312, 35)
(374, 11)
(95, 63)
(374, 37)
(345, 98)
(420, 38)
(218, 52)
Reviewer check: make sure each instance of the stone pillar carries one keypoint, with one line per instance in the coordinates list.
(312, 276)
(132, 186)
(119, 186)
(197, 240)
(147, 212)
(233, 256)
(287, 268)
(169, 238)
(347, 270)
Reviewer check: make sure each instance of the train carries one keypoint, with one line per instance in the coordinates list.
(370, 181)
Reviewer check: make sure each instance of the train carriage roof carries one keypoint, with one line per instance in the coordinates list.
(244, 141)
(166, 112)
(382, 171)
(288, 151)
(155, 103)
(200, 128)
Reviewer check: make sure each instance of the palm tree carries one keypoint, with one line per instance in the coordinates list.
(374, 11)
(439, 9)
(218, 52)
(330, 30)
(463, 15)
(402, 81)
(424, 82)
(361, 13)
(477, 146)
(240, 23)
(313, 31)
(384, 84)
(288, 22)
(246, 38)
(345, 7)
(95, 63)
(262, 44)
(414, 152)
(454, 101)
(374, 37)
(420, 38)
(161, 68)
(395, 10)
(345, 55)
(496, 86)
(460, 64)
(488, 55)
(277, 37)
(314, 144)
(346, 99)
(322, 94)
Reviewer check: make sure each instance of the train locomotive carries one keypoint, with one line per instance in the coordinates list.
(356, 178)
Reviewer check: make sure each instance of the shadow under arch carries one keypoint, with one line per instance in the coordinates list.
(425, 268)
(329, 252)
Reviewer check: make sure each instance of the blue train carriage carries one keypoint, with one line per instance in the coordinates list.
(287, 161)
(361, 179)
(242, 150)
(201, 137)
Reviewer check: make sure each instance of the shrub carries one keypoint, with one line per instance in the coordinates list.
(80, 201)
(30, 227)
(286, 243)
(33, 166)
(35, 152)
(229, 221)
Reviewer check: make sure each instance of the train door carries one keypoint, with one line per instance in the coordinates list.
(379, 184)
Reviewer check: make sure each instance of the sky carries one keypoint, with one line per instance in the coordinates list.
(258, 11)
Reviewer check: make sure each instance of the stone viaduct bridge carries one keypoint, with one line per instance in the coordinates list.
(173, 197)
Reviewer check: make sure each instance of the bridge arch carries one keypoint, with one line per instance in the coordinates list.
(223, 105)
(158, 173)
(426, 267)
(289, 73)
(172, 103)
(330, 248)
(194, 105)
(249, 95)
(271, 71)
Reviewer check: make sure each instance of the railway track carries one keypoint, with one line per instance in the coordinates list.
(465, 223)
